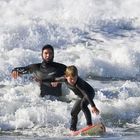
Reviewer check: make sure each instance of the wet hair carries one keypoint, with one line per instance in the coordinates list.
(48, 47)
(71, 71)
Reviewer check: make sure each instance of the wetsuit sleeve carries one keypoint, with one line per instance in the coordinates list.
(86, 96)
(23, 70)
(60, 79)
(57, 79)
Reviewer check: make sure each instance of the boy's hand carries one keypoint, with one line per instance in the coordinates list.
(54, 84)
(95, 110)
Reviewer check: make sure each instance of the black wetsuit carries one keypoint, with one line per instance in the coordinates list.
(45, 72)
(86, 94)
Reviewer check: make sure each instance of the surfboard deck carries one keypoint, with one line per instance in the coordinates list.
(92, 130)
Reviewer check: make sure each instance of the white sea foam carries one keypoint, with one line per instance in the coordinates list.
(100, 37)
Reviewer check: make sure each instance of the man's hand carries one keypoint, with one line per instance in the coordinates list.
(15, 74)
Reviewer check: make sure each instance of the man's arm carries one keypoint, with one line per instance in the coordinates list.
(16, 72)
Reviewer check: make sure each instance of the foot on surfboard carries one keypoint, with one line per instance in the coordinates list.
(91, 130)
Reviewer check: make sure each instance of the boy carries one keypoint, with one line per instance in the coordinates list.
(84, 91)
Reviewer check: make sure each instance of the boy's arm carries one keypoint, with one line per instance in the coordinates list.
(60, 79)
(91, 102)
(86, 95)
(56, 79)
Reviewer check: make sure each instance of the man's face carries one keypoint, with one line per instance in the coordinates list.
(47, 55)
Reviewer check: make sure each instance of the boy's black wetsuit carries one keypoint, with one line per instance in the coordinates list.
(86, 94)
(45, 72)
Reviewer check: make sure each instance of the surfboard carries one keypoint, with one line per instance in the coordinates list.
(92, 130)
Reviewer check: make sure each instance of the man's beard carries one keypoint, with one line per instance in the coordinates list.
(48, 61)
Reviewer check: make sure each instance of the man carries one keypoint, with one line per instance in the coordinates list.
(44, 72)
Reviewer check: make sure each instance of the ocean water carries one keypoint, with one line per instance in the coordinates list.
(100, 37)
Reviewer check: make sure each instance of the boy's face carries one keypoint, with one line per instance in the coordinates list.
(71, 80)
